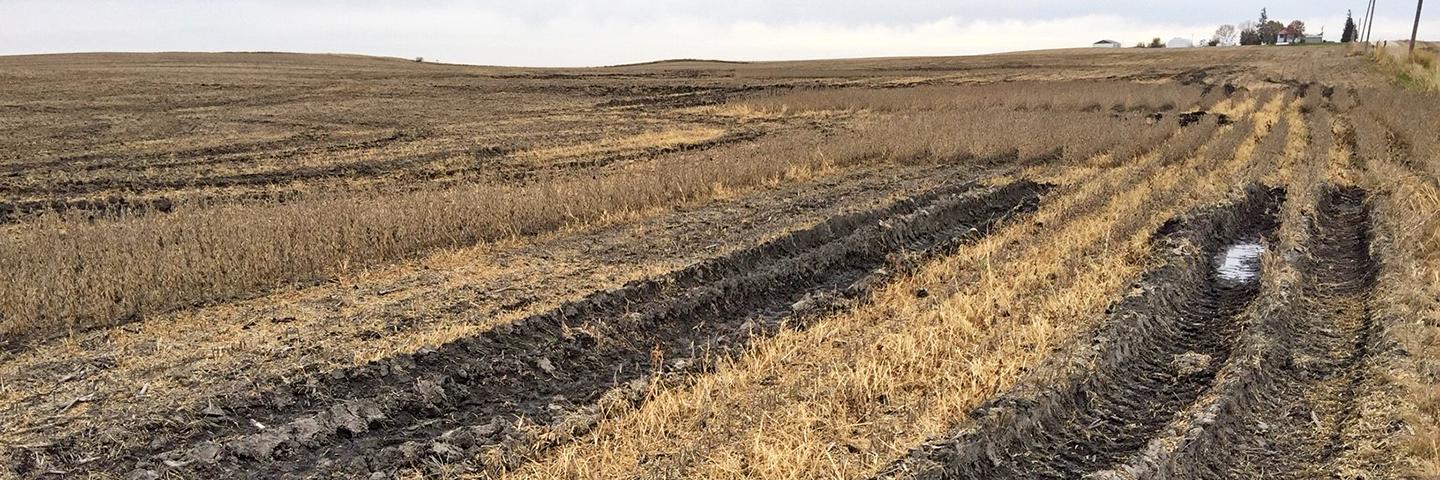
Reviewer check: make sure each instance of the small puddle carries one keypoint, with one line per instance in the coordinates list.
(1240, 263)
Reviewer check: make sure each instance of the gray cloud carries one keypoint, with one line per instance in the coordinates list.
(594, 32)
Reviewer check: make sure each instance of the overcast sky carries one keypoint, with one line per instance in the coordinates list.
(603, 32)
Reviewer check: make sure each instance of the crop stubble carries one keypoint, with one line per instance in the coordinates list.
(831, 350)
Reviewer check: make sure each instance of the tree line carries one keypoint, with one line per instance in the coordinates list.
(1267, 31)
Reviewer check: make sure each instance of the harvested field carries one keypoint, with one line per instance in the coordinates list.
(1063, 264)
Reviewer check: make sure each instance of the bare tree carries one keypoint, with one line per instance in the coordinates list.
(1297, 28)
(1249, 33)
(1225, 35)
(1270, 32)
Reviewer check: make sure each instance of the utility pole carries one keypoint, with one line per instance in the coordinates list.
(1416, 29)
(1370, 23)
(1364, 37)
(1365, 22)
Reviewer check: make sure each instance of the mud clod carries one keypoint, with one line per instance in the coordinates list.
(346, 421)
(1190, 118)
(207, 452)
(307, 431)
(431, 391)
(258, 447)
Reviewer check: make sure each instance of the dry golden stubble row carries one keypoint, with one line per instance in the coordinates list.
(1022, 95)
(857, 390)
(1405, 195)
(73, 274)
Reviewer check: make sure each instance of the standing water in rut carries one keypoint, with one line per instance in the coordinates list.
(1240, 263)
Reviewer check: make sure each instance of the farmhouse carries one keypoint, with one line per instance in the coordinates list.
(1106, 44)
(1287, 36)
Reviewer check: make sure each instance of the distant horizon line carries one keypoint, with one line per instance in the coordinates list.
(430, 61)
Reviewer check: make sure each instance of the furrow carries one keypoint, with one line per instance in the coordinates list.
(535, 371)
(1283, 411)
(1158, 353)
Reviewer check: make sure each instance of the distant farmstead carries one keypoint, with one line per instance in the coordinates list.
(1287, 36)
(1106, 44)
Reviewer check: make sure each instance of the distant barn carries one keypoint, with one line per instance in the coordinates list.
(1106, 44)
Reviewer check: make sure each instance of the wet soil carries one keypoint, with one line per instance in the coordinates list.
(457, 400)
(1201, 372)
(1286, 411)
(1159, 352)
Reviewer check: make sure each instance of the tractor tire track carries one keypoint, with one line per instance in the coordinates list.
(1158, 353)
(406, 410)
(1284, 411)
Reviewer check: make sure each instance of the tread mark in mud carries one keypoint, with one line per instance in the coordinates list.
(1158, 353)
(1284, 413)
(456, 401)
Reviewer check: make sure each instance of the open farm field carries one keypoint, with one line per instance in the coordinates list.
(1119, 264)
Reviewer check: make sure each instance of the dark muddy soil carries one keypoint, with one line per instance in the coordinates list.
(1160, 350)
(1285, 412)
(464, 398)
(271, 340)
(1190, 118)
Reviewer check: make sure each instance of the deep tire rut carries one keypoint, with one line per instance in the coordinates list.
(1158, 353)
(1285, 411)
(464, 400)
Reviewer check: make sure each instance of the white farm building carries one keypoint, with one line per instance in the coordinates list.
(1106, 44)
(1178, 42)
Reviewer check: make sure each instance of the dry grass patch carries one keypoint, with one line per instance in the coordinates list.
(647, 141)
(71, 274)
(1072, 95)
(1401, 162)
(1421, 72)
